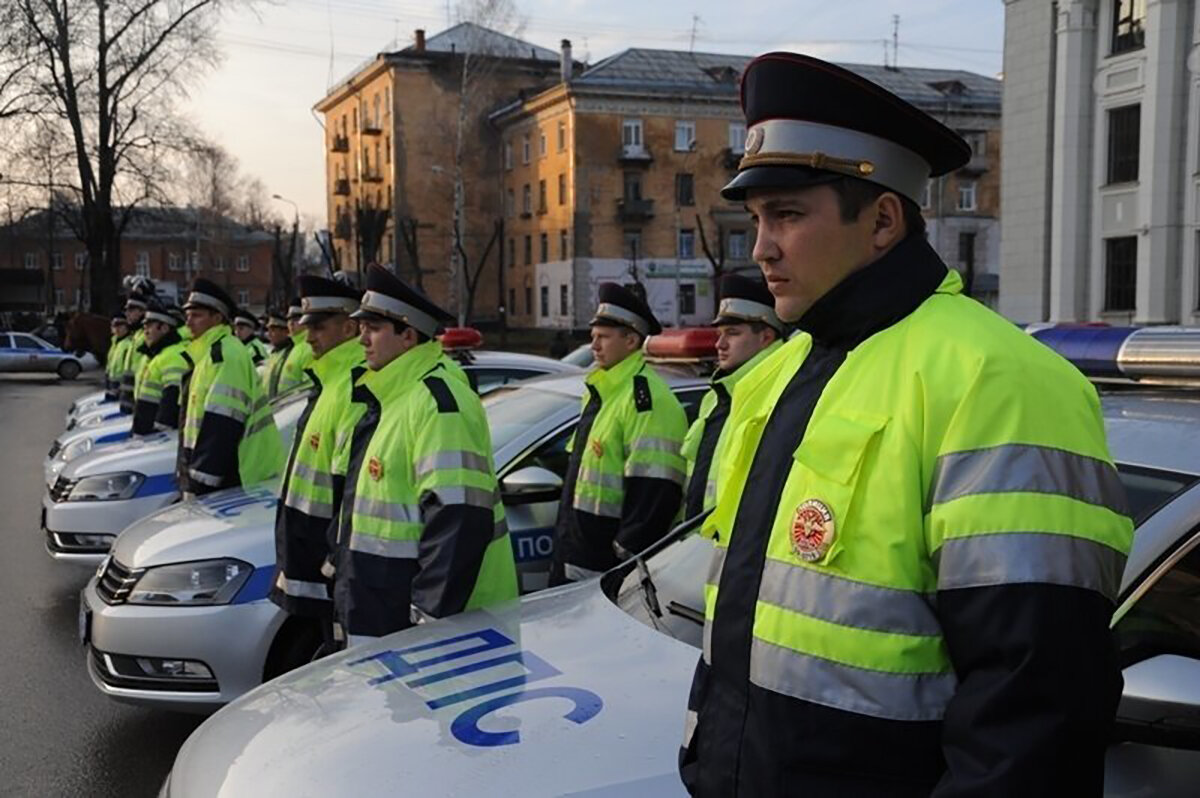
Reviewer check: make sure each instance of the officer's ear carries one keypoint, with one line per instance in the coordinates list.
(888, 225)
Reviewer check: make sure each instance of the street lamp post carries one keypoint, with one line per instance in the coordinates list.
(295, 229)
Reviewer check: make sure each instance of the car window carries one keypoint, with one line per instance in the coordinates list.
(26, 342)
(1148, 489)
(1166, 618)
(5, 343)
(512, 411)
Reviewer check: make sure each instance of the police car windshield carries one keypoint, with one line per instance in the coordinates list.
(512, 411)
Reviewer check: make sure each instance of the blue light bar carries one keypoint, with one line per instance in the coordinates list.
(1164, 355)
(1093, 350)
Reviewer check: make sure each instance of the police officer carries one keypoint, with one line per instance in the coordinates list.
(229, 437)
(299, 356)
(134, 358)
(245, 327)
(115, 358)
(156, 399)
(312, 484)
(919, 531)
(281, 344)
(748, 331)
(625, 476)
(421, 522)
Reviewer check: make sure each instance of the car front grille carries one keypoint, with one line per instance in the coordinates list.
(54, 449)
(61, 489)
(115, 583)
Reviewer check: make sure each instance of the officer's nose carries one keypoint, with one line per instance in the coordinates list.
(765, 248)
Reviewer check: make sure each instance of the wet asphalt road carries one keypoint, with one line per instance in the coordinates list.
(58, 735)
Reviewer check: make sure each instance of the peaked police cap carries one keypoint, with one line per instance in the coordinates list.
(810, 122)
(321, 296)
(389, 297)
(745, 299)
(621, 307)
(210, 296)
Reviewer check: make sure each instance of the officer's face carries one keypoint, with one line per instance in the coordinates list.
(326, 332)
(294, 324)
(382, 343)
(276, 334)
(244, 331)
(611, 345)
(737, 343)
(155, 330)
(119, 330)
(201, 320)
(134, 314)
(804, 248)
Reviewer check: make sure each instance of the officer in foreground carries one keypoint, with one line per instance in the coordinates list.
(281, 345)
(312, 485)
(134, 357)
(156, 400)
(115, 358)
(748, 331)
(919, 531)
(229, 437)
(245, 327)
(421, 523)
(293, 373)
(625, 476)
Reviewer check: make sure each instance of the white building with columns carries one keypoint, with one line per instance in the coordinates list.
(1100, 186)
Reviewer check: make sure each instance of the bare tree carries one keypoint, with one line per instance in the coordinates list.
(715, 259)
(109, 72)
(16, 63)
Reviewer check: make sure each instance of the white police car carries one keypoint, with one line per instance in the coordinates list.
(76, 442)
(582, 690)
(25, 352)
(233, 637)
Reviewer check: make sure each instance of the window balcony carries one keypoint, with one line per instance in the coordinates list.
(341, 186)
(635, 210)
(339, 144)
(342, 228)
(372, 177)
(372, 127)
(634, 154)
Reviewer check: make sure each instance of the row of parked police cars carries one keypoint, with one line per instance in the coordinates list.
(577, 690)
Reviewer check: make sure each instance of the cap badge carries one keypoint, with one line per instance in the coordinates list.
(597, 447)
(812, 530)
(314, 441)
(754, 140)
(375, 468)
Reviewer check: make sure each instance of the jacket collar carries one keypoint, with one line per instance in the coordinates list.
(199, 346)
(878, 295)
(403, 371)
(341, 358)
(171, 338)
(300, 336)
(728, 380)
(608, 381)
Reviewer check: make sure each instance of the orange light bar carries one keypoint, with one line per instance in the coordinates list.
(683, 343)
(461, 338)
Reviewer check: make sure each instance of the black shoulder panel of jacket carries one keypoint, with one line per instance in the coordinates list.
(441, 394)
(641, 394)
(217, 356)
(188, 359)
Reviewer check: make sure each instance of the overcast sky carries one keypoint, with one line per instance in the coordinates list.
(280, 59)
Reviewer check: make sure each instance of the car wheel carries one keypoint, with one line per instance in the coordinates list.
(295, 644)
(69, 369)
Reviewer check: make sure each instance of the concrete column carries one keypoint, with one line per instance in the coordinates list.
(1071, 204)
(1190, 246)
(1161, 160)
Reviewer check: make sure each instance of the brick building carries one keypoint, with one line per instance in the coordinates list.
(172, 246)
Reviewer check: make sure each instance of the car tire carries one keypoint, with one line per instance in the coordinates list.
(69, 369)
(295, 644)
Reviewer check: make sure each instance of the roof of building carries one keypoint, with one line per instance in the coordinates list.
(164, 223)
(473, 38)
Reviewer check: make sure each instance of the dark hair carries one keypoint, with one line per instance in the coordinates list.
(757, 327)
(400, 327)
(854, 195)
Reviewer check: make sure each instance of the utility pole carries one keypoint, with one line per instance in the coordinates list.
(692, 41)
(895, 41)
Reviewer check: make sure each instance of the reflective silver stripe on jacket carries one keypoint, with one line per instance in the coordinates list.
(233, 393)
(439, 461)
(1026, 468)
(230, 412)
(499, 528)
(258, 426)
(717, 564)
(649, 443)
(464, 494)
(309, 506)
(689, 726)
(298, 588)
(597, 506)
(595, 476)
(895, 696)
(655, 471)
(1005, 558)
(383, 547)
(385, 510)
(821, 595)
(307, 472)
(208, 480)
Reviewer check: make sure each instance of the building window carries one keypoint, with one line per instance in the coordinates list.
(541, 196)
(562, 189)
(544, 296)
(737, 137)
(1120, 273)
(31, 260)
(687, 243)
(927, 195)
(142, 264)
(562, 136)
(510, 203)
(685, 135)
(631, 135)
(526, 200)
(541, 143)
(1124, 137)
(528, 301)
(632, 186)
(512, 253)
(219, 262)
(736, 245)
(528, 250)
(1129, 25)
(525, 148)
(632, 244)
(56, 261)
(79, 298)
(508, 159)
(563, 245)
(173, 263)
(687, 298)
(544, 247)
(563, 304)
(966, 249)
(59, 296)
(243, 263)
(243, 297)
(685, 189)
(966, 195)
(81, 259)
(1198, 270)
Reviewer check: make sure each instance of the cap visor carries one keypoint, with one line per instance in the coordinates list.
(775, 177)
(367, 315)
(312, 318)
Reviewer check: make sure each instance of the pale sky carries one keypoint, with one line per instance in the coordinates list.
(280, 59)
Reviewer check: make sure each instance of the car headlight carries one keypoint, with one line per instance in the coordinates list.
(106, 487)
(191, 583)
(75, 449)
(93, 421)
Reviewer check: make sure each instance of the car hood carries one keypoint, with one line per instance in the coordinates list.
(116, 425)
(237, 523)
(431, 711)
(147, 454)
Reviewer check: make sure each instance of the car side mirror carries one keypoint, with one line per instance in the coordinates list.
(531, 484)
(1161, 703)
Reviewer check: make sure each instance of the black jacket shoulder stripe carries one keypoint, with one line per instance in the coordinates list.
(188, 359)
(441, 394)
(641, 394)
(217, 356)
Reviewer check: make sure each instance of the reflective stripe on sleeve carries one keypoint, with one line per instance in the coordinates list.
(1026, 468)
(260, 425)
(208, 480)
(464, 494)
(309, 506)
(1006, 558)
(307, 472)
(230, 412)
(233, 393)
(717, 565)
(383, 547)
(298, 588)
(595, 476)
(652, 444)
(597, 506)
(387, 511)
(655, 471)
(440, 461)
